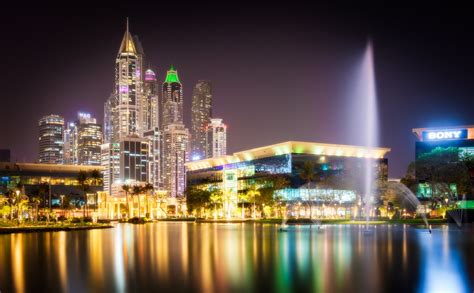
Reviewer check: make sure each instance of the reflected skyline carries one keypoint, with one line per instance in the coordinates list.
(238, 257)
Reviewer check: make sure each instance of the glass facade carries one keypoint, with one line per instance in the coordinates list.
(336, 178)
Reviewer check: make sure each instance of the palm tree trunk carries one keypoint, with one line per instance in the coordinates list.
(128, 205)
(139, 207)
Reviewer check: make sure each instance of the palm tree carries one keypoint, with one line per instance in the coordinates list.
(243, 198)
(148, 187)
(83, 180)
(36, 201)
(307, 174)
(252, 194)
(95, 177)
(43, 189)
(216, 197)
(126, 189)
(137, 190)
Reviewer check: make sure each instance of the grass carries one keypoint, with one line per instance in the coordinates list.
(8, 227)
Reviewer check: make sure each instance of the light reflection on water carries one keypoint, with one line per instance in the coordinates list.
(239, 257)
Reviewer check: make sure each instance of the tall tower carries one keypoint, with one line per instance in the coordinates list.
(150, 94)
(89, 139)
(216, 139)
(125, 152)
(175, 136)
(152, 131)
(175, 146)
(201, 112)
(128, 89)
(172, 99)
(51, 144)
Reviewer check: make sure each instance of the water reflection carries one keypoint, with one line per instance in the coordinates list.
(238, 257)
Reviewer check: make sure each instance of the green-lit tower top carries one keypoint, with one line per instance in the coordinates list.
(172, 75)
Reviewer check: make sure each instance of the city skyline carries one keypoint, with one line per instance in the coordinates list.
(443, 97)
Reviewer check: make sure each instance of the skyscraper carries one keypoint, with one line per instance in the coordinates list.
(128, 89)
(201, 111)
(51, 143)
(82, 140)
(89, 139)
(175, 154)
(110, 160)
(110, 118)
(175, 136)
(152, 131)
(216, 139)
(125, 119)
(150, 94)
(70, 143)
(172, 99)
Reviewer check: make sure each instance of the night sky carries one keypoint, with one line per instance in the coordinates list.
(279, 73)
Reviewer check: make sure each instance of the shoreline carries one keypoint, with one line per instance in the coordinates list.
(39, 229)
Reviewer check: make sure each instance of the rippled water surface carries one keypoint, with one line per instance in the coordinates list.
(239, 257)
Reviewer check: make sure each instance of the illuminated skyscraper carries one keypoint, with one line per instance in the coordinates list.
(110, 160)
(128, 90)
(89, 139)
(216, 139)
(172, 99)
(152, 132)
(51, 144)
(82, 140)
(70, 143)
(151, 107)
(110, 118)
(175, 148)
(201, 111)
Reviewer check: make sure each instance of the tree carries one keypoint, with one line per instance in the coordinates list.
(252, 193)
(136, 191)
(442, 167)
(82, 179)
(243, 199)
(215, 198)
(35, 201)
(148, 187)
(126, 189)
(308, 175)
(95, 178)
(197, 199)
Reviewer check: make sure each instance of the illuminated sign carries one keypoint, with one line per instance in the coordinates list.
(445, 134)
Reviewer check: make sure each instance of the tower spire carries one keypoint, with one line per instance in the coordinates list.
(127, 26)
(127, 45)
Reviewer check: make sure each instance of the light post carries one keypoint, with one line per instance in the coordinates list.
(18, 208)
(62, 203)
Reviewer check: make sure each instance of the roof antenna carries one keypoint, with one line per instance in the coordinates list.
(127, 24)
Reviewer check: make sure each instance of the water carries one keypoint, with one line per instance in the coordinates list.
(363, 114)
(406, 194)
(189, 257)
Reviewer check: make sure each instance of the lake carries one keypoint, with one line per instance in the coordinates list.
(207, 257)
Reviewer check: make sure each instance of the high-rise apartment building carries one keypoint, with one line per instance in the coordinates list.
(70, 143)
(51, 145)
(175, 155)
(128, 90)
(172, 99)
(89, 139)
(216, 139)
(134, 159)
(110, 118)
(82, 140)
(201, 113)
(175, 136)
(110, 160)
(151, 101)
